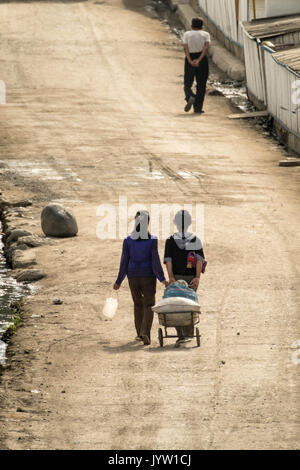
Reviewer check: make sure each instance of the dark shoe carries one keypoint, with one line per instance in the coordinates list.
(189, 104)
(179, 342)
(199, 111)
(146, 340)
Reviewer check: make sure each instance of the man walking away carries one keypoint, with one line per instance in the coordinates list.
(195, 43)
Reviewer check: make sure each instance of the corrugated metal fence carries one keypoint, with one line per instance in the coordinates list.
(271, 82)
(268, 80)
(223, 14)
(254, 67)
(281, 89)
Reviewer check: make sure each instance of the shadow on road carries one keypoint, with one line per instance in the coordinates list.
(171, 347)
(187, 115)
(129, 347)
(137, 346)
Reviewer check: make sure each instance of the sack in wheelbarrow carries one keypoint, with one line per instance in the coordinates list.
(178, 319)
(175, 305)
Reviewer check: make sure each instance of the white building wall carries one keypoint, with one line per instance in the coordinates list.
(243, 16)
(281, 7)
(223, 14)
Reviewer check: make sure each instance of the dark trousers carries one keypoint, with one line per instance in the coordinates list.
(143, 291)
(184, 331)
(199, 73)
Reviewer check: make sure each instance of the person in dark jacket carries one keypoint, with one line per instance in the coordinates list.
(140, 262)
(184, 259)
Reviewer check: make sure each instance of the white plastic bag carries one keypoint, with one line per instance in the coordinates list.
(110, 308)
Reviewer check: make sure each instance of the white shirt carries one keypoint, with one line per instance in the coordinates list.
(196, 40)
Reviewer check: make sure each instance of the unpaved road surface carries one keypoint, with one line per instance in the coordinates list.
(94, 112)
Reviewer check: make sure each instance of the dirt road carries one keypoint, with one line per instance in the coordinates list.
(94, 112)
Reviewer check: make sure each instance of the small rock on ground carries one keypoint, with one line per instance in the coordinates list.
(23, 259)
(31, 275)
(15, 235)
(32, 241)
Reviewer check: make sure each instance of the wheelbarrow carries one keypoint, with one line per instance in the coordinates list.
(177, 319)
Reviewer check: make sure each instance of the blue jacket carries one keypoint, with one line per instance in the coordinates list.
(140, 258)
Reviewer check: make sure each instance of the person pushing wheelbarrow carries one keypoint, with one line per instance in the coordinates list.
(185, 260)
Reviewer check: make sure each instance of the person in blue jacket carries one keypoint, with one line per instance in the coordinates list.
(140, 262)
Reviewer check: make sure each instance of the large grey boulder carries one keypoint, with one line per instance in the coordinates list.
(58, 221)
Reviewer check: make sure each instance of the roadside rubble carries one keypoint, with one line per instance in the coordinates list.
(19, 243)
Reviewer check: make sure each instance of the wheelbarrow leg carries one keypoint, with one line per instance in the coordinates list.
(198, 337)
(160, 337)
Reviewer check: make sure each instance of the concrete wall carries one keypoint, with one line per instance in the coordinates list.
(268, 8)
(281, 7)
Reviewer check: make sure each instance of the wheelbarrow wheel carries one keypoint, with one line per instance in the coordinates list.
(198, 337)
(160, 337)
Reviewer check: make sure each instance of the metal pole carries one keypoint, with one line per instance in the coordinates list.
(237, 10)
(254, 9)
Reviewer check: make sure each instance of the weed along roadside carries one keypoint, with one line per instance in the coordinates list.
(9, 328)
(12, 293)
(16, 320)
